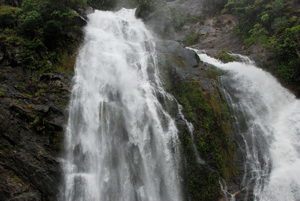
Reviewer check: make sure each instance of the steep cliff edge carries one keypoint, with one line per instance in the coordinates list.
(32, 113)
(214, 33)
(269, 44)
(209, 152)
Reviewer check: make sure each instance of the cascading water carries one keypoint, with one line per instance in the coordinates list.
(121, 144)
(268, 118)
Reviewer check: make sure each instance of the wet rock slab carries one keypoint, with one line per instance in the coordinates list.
(32, 116)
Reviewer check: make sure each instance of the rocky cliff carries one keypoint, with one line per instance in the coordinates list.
(209, 151)
(33, 112)
(32, 115)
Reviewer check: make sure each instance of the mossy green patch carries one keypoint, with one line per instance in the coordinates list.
(210, 117)
(213, 72)
(192, 38)
(178, 61)
(7, 16)
(2, 94)
(225, 57)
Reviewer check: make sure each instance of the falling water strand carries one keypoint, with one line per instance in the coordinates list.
(191, 131)
(121, 144)
(271, 129)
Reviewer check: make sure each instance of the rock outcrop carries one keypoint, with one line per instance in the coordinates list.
(209, 152)
(186, 7)
(32, 117)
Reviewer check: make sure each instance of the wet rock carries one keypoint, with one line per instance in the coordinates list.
(11, 92)
(187, 7)
(45, 76)
(29, 122)
(1, 55)
(86, 11)
(41, 108)
(176, 53)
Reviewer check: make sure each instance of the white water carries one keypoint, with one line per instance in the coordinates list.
(271, 133)
(120, 142)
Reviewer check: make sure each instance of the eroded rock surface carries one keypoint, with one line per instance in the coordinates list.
(32, 116)
(187, 7)
(196, 87)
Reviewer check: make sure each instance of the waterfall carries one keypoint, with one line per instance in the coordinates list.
(121, 144)
(268, 118)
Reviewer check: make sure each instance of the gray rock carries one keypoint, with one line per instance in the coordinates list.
(207, 30)
(58, 122)
(187, 7)
(30, 151)
(41, 108)
(1, 56)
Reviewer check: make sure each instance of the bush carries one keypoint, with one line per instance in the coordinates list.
(8, 16)
(225, 57)
(192, 38)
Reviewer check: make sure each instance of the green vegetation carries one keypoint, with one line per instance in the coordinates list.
(275, 25)
(213, 72)
(225, 57)
(41, 32)
(42, 126)
(2, 94)
(192, 38)
(178, 61)
(13, 175)
(211, 120)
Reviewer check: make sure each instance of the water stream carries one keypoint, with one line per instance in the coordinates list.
(268, 117)
(121, 144)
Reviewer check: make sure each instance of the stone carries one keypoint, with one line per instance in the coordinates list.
(187, 7)
(41, 108)
(1, 55)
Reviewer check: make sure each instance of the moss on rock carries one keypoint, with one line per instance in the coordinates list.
(212, 137)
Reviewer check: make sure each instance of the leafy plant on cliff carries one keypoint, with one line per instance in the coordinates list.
(192, 38)
(275, 25)
(8, 16)
(2, 93)
(44, 29)
(225, 57)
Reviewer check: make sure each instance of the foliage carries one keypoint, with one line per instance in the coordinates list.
(225, 57)
(2, 93)
(275, 25)
(8, 16)
(195, 19)
(192, 38)
(42, 29)
(109, 4)
(47, 22)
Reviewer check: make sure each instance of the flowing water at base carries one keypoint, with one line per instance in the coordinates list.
(121, 144)
(268, 118)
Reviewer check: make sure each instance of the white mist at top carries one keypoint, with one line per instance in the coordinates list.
(121, 144)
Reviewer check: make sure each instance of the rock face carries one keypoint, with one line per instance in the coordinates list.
(32, 116)
(196, 87)
(215, 33)
(187, 7)
(33, 113)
